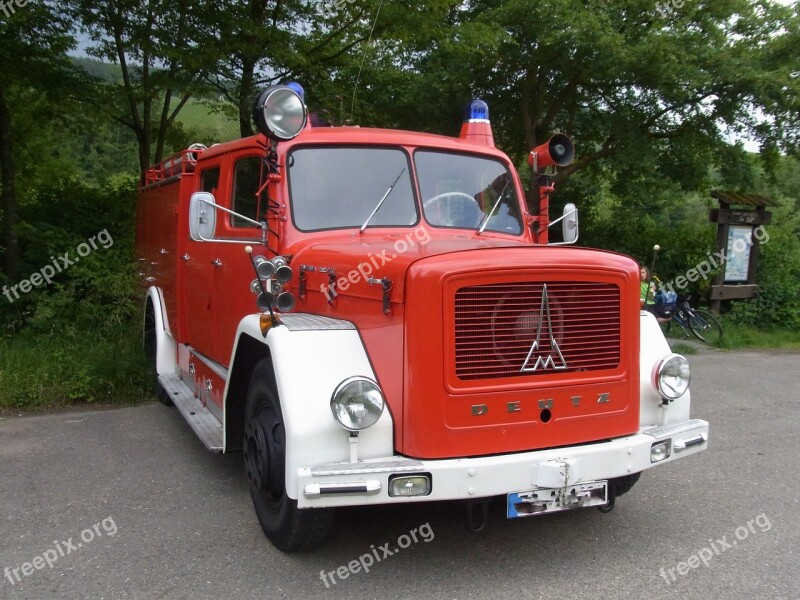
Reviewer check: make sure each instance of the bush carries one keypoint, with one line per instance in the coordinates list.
(76, 339)
(778, 301)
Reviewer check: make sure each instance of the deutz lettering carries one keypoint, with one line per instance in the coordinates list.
(478, 410)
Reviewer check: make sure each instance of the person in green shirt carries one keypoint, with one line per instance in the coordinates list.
(647, 290)
(647, 297)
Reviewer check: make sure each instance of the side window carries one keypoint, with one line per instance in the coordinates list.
(246, 177)
(209, 180)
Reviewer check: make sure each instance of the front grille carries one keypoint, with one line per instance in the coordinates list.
(503, 330)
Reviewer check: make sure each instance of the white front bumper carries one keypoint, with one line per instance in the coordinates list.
(367, 482)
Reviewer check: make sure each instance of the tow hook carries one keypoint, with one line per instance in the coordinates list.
(477, 514)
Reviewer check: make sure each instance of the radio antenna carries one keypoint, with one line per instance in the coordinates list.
(363, 60)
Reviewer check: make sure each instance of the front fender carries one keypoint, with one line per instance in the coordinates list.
(166, 348)
(653, 347)
(311, 355)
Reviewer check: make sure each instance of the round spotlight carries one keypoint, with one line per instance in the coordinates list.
(357, 403)
(672, 376)
(279, 113)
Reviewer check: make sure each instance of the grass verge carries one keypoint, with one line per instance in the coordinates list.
(683, 348)
(743, 336)
(72, 367)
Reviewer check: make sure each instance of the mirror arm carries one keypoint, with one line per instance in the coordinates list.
(259, 224)
(562, 217)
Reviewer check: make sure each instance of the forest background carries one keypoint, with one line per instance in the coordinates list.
(665, 101)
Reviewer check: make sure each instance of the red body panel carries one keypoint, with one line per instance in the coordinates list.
(448, 416)
(159, 240)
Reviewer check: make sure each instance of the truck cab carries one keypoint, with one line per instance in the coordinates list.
(376, 316)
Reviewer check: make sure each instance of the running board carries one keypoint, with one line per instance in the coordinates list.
(200, 419)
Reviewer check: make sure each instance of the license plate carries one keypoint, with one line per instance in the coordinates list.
(549, 500)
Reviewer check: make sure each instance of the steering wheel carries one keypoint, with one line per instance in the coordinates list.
(465, 206)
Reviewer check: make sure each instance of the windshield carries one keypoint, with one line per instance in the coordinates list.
(466, 191)
(336, 187)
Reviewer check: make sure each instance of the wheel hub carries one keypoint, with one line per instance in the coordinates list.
(262, 449)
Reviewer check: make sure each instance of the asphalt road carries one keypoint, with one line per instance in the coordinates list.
(126, 503)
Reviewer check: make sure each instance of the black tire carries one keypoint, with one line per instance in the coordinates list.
(623, 485)
(151, 351)
(289, 528)
(616, 488)
(706, 327)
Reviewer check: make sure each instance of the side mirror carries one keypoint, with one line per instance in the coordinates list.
(569, 226)
(202, 217)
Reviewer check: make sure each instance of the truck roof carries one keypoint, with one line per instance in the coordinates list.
(361, 135)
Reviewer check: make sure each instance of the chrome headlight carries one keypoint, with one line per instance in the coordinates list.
(357, 403)
(672, 376)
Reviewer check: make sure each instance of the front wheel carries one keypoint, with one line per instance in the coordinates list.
(289, 528)
(706, 327)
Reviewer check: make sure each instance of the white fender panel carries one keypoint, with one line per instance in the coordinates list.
(654, 347)
(166, 348)
(309, 365)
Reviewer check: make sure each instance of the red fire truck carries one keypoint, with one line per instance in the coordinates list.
(376, 316)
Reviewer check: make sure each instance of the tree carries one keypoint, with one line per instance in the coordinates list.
(33, 45)
(636, 84)
(164, 50)
(263, 43)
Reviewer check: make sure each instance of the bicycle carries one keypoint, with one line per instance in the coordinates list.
(668, 309)
(700, 322)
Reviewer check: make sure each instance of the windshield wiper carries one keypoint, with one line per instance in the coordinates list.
(380, 203)
(485, 221)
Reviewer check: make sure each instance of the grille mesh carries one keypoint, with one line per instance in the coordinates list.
(496, 327)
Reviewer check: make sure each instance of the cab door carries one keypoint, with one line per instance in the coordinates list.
(232, 278)
(199, 264)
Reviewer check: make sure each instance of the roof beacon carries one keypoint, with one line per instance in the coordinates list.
(476, 127)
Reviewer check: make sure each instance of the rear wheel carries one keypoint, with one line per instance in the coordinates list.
(289, 528)
(623, 485)
(706, 327)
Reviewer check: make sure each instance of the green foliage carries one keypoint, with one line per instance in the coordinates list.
(76, 339)
(206, 122)
(98, 290)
